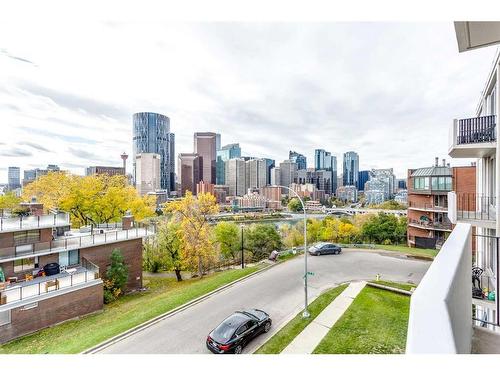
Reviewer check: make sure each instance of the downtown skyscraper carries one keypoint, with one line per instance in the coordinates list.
(351, 169)
(151, 134)
(205, 145)
(225, 153)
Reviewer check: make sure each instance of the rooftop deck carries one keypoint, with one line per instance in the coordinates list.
(18, 223)
(76, 241)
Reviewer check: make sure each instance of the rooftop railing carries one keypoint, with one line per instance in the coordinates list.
(39, 286)
(476, 130)
(33, 222)
(77, 242)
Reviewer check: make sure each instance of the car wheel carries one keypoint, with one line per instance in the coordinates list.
(238, 349)
(267, 327)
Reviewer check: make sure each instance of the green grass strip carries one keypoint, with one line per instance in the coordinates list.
(163, 295)
(375, 323)
(295, 326)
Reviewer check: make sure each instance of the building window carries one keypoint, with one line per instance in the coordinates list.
(69, 258)
(4, 317)
(27, 264)
(421, 183)
(441, 183)
(26, 237)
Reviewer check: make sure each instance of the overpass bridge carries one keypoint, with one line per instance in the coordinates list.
(360, 211)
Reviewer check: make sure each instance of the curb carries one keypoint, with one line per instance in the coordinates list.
(390, 288)
(121, 336)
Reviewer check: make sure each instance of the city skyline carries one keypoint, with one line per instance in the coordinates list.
(336, 105)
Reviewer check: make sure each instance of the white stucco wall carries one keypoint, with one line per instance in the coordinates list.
(440, 310)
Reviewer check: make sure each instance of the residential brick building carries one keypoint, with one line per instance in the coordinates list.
(49, 274)
(428, 222)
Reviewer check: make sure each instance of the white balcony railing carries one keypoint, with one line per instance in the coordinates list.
(440, 310)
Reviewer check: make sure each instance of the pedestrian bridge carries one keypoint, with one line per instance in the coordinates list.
(360, 211)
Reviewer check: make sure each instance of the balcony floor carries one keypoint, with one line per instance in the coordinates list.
(485, 341)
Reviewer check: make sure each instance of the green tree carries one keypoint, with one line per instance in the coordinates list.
(170, 244)
(228, 236)
(294, 205)
(116, 276)
(382, 228)
(262, 239)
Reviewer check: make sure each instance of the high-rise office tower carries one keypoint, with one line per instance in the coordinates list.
(275, 176)
(270, 164)
(148, 172)
(151, 134)
(205, 145)
(351, 168)
(324, 160)
(14, 178)
(299, 159)
(363, 177)
(225, 153)
(287, 172)
(256, 173)
(236, 176)
(189, 169)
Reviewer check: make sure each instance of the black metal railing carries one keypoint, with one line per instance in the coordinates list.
(428, 206)
(474, 206)
(476, 130)
(485, 281)
(431, 224)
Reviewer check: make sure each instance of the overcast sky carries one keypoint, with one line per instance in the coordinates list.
(388, 91)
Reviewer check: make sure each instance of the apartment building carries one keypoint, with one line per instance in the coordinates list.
(455, 308)
(49, 273)
(428, 222)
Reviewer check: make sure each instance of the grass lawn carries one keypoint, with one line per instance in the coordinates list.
(286, 335)
(392, 284)
(376, 322)
(428, 253)
(164, 294)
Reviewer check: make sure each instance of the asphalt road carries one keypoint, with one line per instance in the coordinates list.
(278, 291)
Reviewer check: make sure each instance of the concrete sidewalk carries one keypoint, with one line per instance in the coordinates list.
(311, 336)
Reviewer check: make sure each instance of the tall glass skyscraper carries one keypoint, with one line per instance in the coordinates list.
(299, 159)
(225, 153)
(351, 169)
(151, 134)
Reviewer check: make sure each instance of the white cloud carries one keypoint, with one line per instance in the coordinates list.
(386, 90)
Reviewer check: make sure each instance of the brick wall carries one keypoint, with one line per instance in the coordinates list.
(51, 311)
(132, 253)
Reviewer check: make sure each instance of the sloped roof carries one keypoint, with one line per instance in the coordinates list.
(432, 171)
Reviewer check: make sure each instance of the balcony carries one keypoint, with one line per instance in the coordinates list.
(14, 294)
(426, 207)
(476, 209)
(12, 224)
(430, 225)
(473, 137)
(444, 318)
(77, 241)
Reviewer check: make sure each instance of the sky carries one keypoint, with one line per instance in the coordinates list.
(388, 91)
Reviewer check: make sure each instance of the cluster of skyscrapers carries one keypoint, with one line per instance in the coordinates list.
(225, 172)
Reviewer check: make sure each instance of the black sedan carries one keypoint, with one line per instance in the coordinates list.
(324, 248)
(238, 330)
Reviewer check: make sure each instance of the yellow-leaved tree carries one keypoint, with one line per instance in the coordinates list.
(193, 214)
(91, 199)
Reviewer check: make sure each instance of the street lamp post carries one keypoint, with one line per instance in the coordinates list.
(242, 253)
(305, 313)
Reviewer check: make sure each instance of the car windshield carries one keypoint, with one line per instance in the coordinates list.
(226, 329)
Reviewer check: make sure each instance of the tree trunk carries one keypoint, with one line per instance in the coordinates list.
(200, 268)
(178, 275)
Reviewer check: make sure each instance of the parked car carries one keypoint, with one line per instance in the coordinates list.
(237, 330)
(324, 248)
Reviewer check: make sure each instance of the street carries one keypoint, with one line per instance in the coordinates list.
(278, 291)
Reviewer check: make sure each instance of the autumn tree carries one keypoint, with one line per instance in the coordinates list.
(228, 237)
(9, 201)
(193, 213)
(91, 199)
(294, 205)
(170, 244)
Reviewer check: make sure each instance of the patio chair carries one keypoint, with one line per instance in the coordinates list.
(477, 292)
